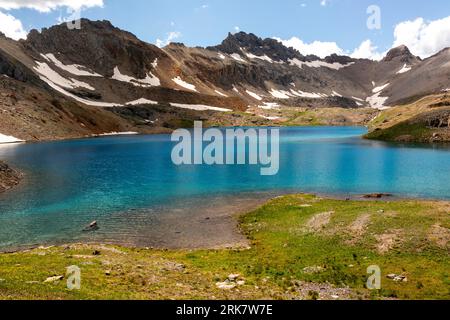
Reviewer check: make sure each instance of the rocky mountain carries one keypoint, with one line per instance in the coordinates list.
(8, 177)
(66, 83)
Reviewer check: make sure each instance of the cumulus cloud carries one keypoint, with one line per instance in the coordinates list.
(423, 38)
(12, 27)
(318, 48)
(49, 5)
(170, 37)
(367, 50)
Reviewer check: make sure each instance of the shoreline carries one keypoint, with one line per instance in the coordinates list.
(225, 225)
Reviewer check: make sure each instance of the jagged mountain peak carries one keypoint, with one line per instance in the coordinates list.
(250, 43)
(401, 53)
(97, 45)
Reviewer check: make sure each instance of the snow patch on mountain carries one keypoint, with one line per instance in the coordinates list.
(280, 94)
(318, 64)
(377, 101)
(58, 83)
(380, 88)
(269, 106)
(44, 70)
(220, 93)
(357, 99)
(404, 69)
(238, 58)
(199, 107)
(141, 101)
(8, 139)
(270, 118)
(75, 69)
(264, 57)
(155, 63)
(254, 95)
(309, 95)
(149, 81)
(184, 84)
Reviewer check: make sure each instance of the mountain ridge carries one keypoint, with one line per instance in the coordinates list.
(104, 67)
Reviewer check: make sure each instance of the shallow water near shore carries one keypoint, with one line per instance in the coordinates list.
(139, 197)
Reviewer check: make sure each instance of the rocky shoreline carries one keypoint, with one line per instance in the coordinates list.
(9, 177)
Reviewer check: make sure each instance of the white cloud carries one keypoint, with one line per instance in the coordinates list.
(12, 27)
(323, 3)
(423, 38)
(49, 5)
(318, 48)
(367, 50)
(170, 37)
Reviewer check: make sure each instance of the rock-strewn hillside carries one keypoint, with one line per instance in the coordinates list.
(426, 120)
(8, 177)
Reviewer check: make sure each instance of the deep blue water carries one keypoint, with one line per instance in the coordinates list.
(130, 181)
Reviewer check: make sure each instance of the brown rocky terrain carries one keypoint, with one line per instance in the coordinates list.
(8, 177)
(426, 120)
(61, 83)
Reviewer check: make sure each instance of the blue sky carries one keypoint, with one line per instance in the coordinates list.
(207, 22)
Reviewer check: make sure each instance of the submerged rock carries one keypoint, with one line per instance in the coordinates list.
(93, 226)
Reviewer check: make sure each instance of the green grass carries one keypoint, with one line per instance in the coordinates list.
(281, 247)
(418, 132)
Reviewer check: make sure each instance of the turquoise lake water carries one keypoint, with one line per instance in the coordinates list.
(129, 183)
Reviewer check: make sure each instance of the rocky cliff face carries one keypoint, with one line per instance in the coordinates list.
(8, 177)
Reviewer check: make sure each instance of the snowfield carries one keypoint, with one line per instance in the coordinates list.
(380, 88)
(44, 70)
(404, 69)
(9, 139)
(377, 101)
(199, 107)
(140, 101)
(319, 64)
(238, 58)
(254, 95)
(55, 87)
(269, 106)
(220, 93)
(280, 94)
(270, 118)
(149, 81)
(264, 57)
(75, 69)
(184, 84)
(309, 95)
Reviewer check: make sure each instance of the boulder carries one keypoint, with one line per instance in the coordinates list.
(93, 226)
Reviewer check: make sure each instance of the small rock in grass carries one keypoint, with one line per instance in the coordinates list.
(108, 272)
(233, 277)
(240, 283)
(54, 279)
(226, 285)
(397, 278)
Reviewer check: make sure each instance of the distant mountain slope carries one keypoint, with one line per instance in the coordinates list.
(101, 68)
